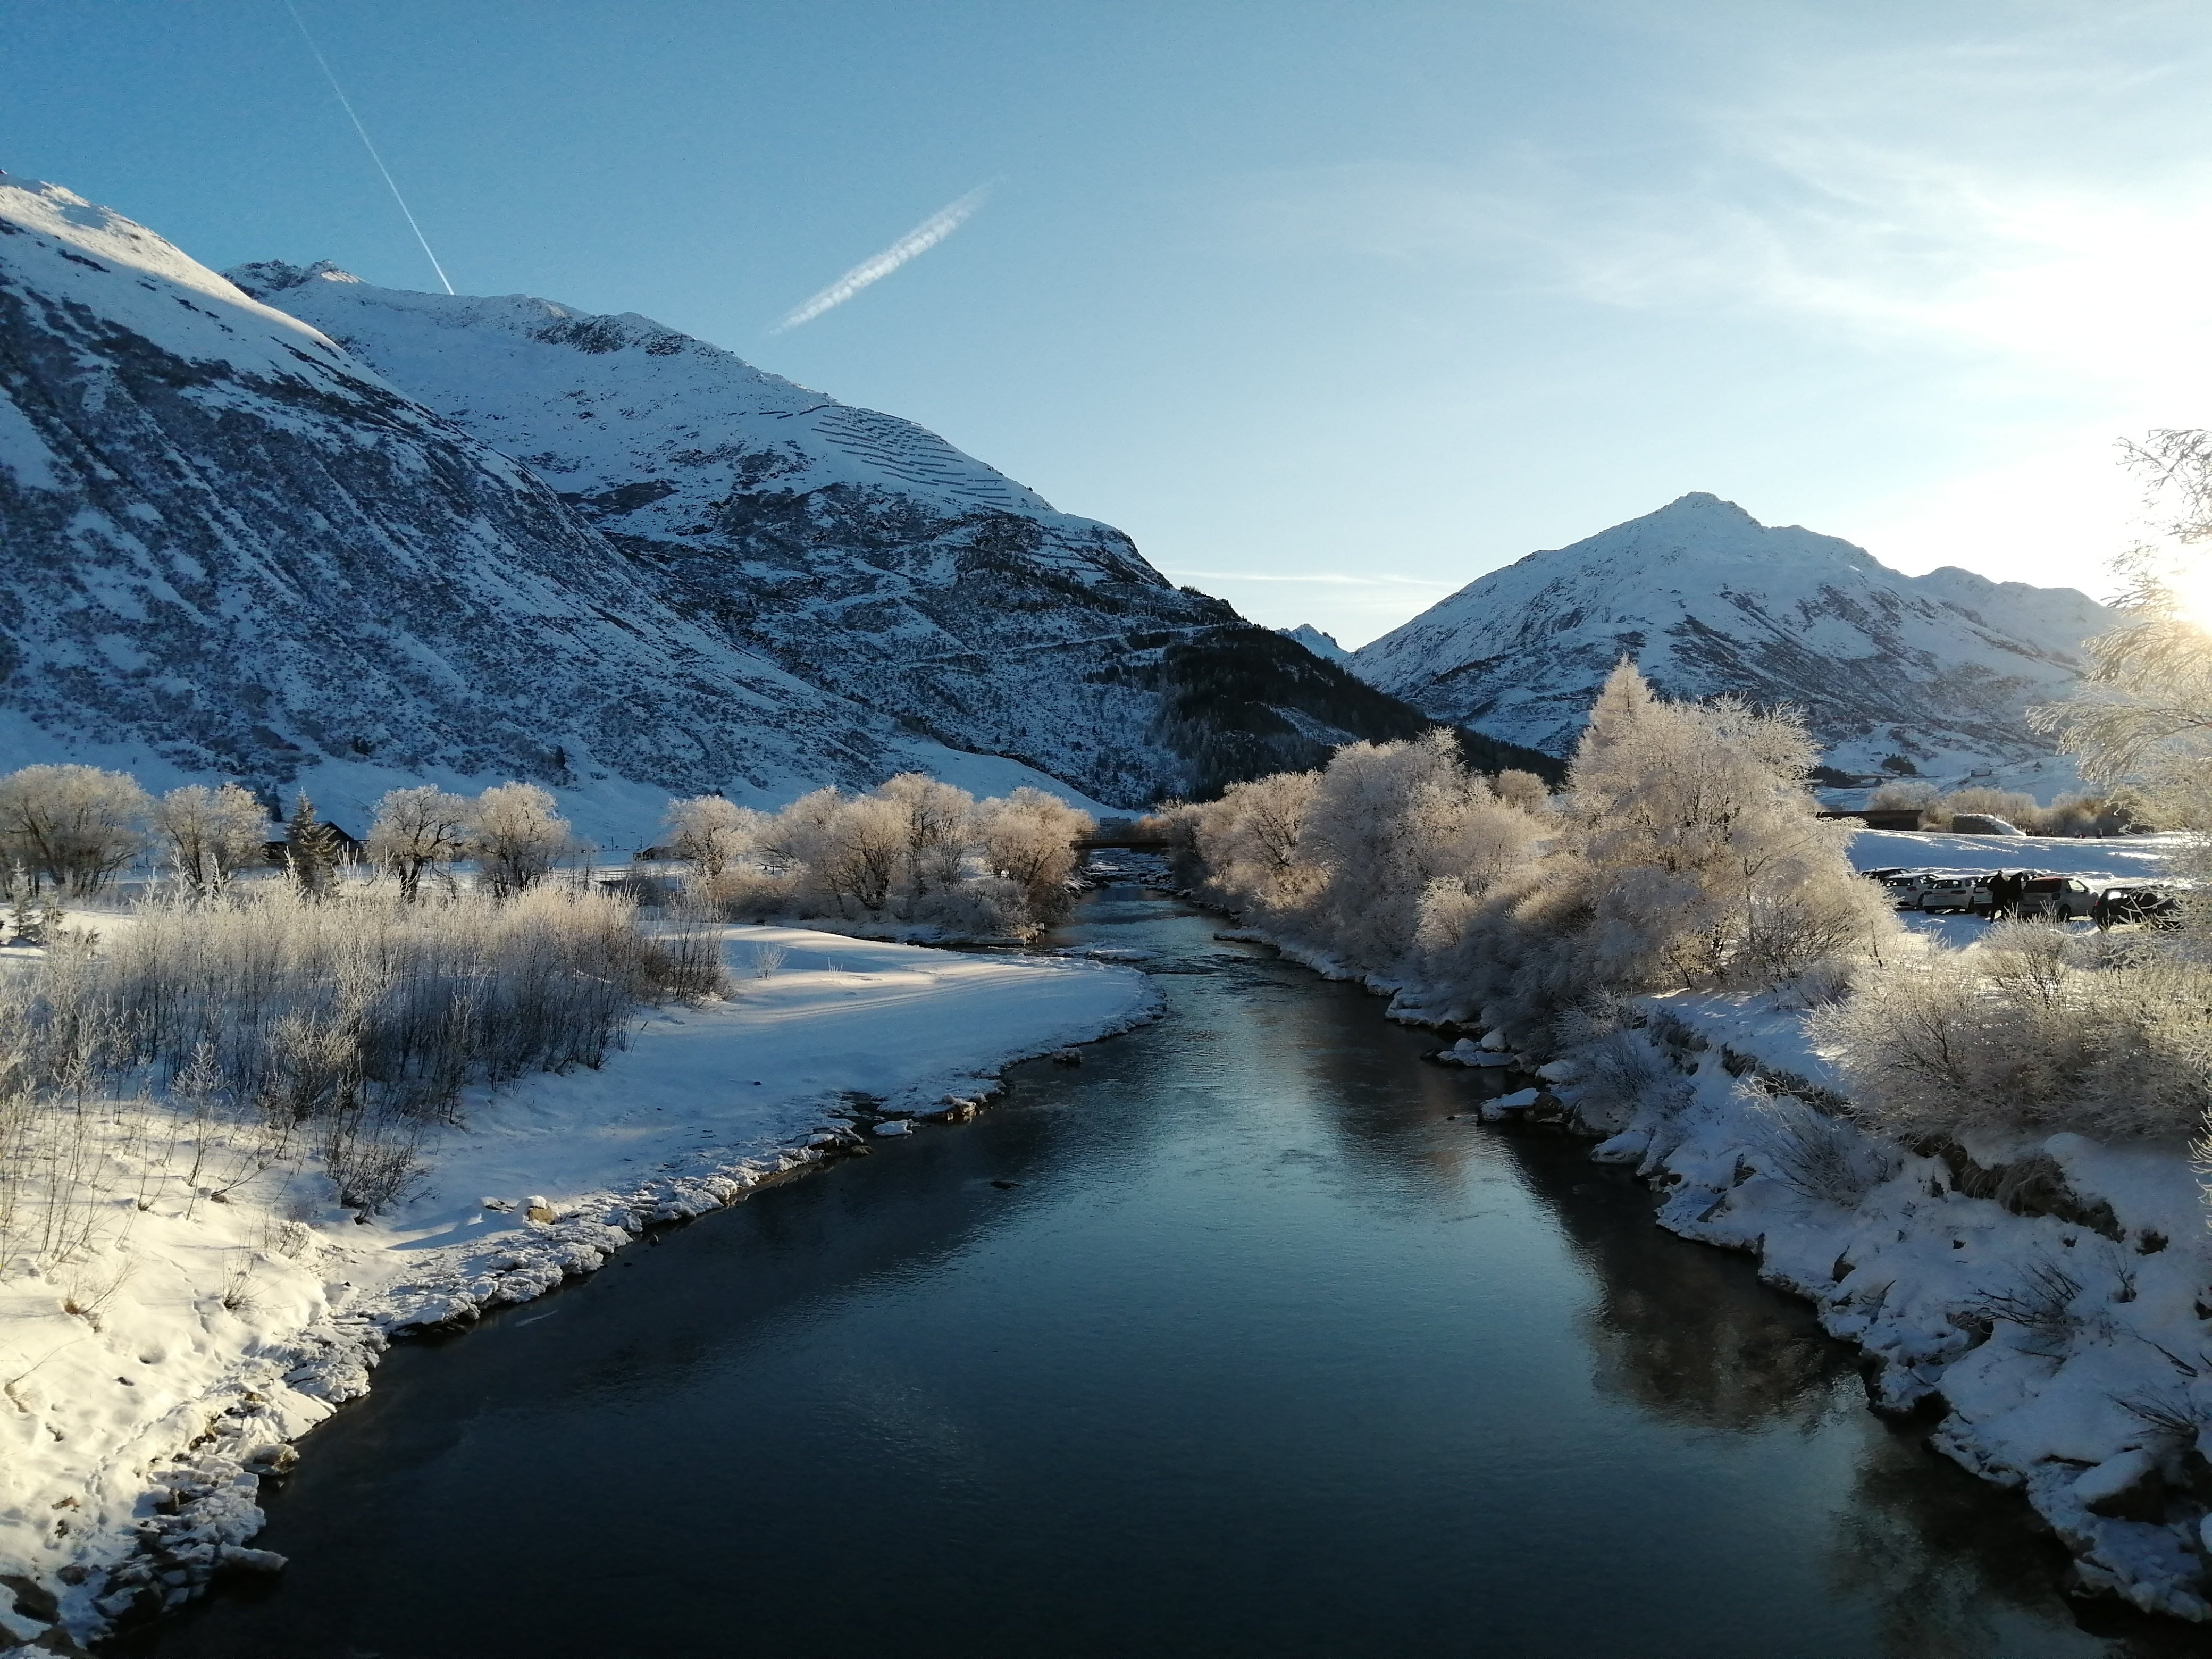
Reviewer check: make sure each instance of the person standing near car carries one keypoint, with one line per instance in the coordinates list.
(2004, 895)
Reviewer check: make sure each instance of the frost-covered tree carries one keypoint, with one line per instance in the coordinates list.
(418, 830)
(1705, 857)
(939, 830)
(1250, 843)
(208, 834)
(710, 833)
(2142, 716)
(1386, 822)
(516, 835)
(851, 848)
(1028, 838)
(1523, 789)
(74, 826)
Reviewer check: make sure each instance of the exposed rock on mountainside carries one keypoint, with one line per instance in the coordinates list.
(1936, 669)
(858, 551)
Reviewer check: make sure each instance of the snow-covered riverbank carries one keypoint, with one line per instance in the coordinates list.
(2044, 1297)
(150, 1384)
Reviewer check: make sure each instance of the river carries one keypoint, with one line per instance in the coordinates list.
(1232, 1341)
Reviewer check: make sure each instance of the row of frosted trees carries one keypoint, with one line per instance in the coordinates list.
(74, 829)
(259, 1023)
(913, 851)
(1684, 853)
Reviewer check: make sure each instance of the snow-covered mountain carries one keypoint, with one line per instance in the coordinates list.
(232, 547)
(1937, 669)
(227, 548)
(1323, 646)
(858, 551)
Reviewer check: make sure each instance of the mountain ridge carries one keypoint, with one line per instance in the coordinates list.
(1934, 670)
(858, 551)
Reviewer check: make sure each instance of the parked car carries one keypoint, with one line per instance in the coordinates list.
(2057, 898)
(2150, 907)
(1904, 887)
(1937, 890)
(1957, 895)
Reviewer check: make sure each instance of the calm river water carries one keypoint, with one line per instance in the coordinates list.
(1258, 1354)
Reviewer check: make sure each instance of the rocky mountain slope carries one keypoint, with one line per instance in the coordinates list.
(229, 547)
(1936, 669)
(858, 551)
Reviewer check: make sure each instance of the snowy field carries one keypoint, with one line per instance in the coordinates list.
(2122, 858)
(195, 1338)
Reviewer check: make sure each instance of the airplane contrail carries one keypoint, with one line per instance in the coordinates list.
(346, 104)
(922, 238)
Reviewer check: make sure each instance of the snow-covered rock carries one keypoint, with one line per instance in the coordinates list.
(1937, 669)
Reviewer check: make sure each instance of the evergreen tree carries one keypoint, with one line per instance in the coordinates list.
(312, 848)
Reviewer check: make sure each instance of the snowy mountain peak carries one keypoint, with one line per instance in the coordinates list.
(71, 252)
(1323, 646)
(602, 404)
(1935, 669)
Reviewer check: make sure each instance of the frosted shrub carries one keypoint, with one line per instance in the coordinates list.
(1386, 820)
(357, 1019)
(74, 826)
(208, 834)
(915, 851)
(1346, 859)
(1523, 789)
(1708, 864)
(1815, 1154)
(2018, 1035)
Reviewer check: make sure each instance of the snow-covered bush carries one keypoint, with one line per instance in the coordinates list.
(74, 826)
(1816, 1154)
(516, 836)
(1346, 860)
(914, 851)
(417, 831)
(2026, 1032)
(208, 834)
(1684, 853)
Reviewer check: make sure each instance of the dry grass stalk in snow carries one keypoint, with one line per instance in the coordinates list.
(277, 1022)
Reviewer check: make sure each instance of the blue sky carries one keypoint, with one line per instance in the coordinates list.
(1333, 306)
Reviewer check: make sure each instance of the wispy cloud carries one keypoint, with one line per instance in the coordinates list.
(919, 240)
(1927, 197)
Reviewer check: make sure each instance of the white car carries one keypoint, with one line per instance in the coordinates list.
(1934, 893)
